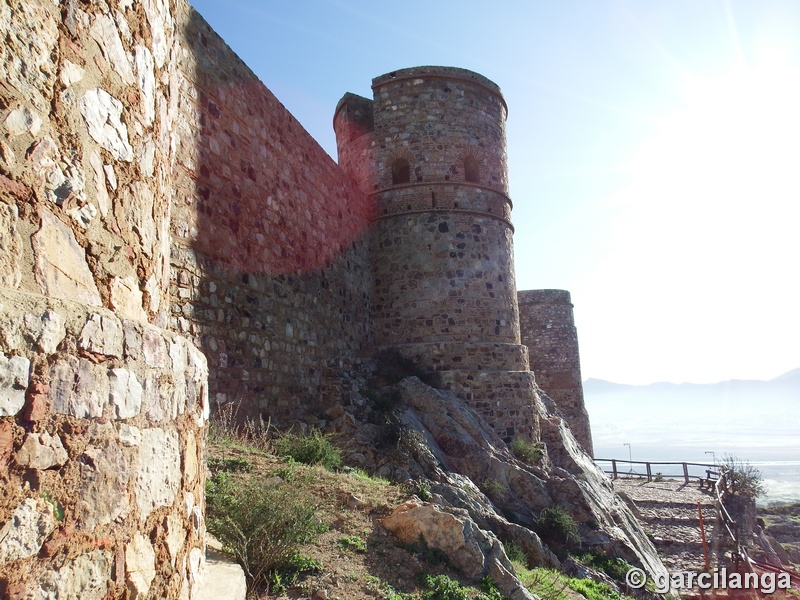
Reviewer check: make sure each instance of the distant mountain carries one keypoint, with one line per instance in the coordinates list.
(783, 385)
(714, 415)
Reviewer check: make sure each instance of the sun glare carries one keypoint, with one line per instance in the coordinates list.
(707, 222)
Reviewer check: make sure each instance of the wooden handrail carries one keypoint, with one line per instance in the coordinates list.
(616, 472)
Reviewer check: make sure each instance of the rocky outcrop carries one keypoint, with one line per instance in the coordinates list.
(477, 553)
(469, 468)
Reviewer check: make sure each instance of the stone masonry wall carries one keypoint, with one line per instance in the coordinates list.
(270, 257)
(102, 409)
(548, 330)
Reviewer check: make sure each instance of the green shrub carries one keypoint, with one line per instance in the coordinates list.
(423, 491)
(261, 525)
(515, 553)
(314, 448)
(613, 566)
(493, 487)
(546, 584)
(441, 587)
(489, 589)
(557, 528)
(288, 573)
(527, 452)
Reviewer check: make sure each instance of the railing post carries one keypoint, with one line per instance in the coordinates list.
(614, 467)
(649, 474)
(686, 473)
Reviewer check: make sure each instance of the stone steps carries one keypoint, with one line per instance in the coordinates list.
(222, 578)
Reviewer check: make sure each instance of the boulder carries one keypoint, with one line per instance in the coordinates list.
(477, 553)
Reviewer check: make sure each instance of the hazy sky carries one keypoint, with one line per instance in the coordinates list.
(654, 154)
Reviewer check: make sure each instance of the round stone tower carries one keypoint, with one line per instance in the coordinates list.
(430, 149)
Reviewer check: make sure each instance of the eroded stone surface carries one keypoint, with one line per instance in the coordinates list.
(158, 474)
(78, 388)
(42, 451)
(125, 393)
(10, 246)
(102, 113)
(27, 529)
(61, 269)
(147, 82)
(82, 579)
(140, 566)
(13, 382)
(53, 331)
(23, 120)
(477, 553)
(126, 298)
(28, 66)
(104, 485)
(102, 334)
(105, 33)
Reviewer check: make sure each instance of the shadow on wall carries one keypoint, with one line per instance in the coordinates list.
(270, 255)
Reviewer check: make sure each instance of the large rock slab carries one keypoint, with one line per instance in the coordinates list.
(475, 552)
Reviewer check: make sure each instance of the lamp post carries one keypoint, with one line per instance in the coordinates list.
(630, 458)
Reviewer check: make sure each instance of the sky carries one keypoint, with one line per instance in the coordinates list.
(654, 154)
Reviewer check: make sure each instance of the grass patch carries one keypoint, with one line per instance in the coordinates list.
(234, 464)
(442, 587)
(353, 542)
(315, 448)
(593, 590)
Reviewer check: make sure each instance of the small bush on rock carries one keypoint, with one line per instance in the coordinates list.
(743, 478)
(557, 528)
(526, 451)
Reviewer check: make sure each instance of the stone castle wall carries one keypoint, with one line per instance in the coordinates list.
(271, 273)
(548, 330)
(102, 407)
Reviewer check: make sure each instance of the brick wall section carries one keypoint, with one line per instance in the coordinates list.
(102, 409)
(548, 330)
(270, 256)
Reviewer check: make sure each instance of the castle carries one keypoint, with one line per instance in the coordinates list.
(171, 239)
